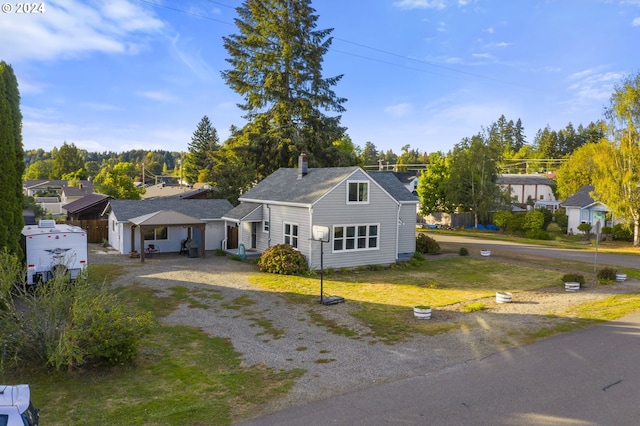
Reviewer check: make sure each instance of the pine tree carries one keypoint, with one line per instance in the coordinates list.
(11, 161)
(276, 66)
(198, 166)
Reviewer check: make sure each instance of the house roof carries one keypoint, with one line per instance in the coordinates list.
(517, 179)
(404, 177)
(164, 217)
(284, 186)
(580, 198)
(125, 210)
(242, 210)
(390, 182)
(85, 202)
(161, 190)
(74, 191)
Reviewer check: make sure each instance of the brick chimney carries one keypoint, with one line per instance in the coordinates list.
(303, 165)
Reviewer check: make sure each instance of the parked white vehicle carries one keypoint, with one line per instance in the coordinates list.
(51, 249)
(16, 408)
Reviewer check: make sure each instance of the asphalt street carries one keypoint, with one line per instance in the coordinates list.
(587, 377)
(599, 258)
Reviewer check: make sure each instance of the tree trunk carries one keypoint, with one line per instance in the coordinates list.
(636, 236)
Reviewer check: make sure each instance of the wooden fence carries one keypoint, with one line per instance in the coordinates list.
(97, 229)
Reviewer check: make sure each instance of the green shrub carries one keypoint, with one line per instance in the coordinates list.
(474, 307)
(427, 245)
(463, 251)
(515, 224)
(606, 274)
(606, 230)
(622, 232)
(220, 252)
(573, 278)
(533, 220)
(417, 256)
(282, 259)
(561, 219)
(537, 234)
(501, 219)
(585, 228)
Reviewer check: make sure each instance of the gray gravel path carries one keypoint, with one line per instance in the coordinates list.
(268, 331)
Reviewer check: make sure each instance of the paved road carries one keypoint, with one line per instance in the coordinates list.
(621, 260)
(588, 377)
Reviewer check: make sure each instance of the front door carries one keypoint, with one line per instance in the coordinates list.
(254, 235)
(232, 237)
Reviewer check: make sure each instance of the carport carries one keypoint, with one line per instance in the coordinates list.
(168, 218)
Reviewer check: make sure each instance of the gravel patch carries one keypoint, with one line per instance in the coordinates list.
(270, 332)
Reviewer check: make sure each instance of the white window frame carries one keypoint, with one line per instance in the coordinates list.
(358, 183)
(293, 238)
(265, 226)
(360, 242)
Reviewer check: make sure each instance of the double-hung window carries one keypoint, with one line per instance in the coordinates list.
(358, 192)
(355, 237)
(291, 234)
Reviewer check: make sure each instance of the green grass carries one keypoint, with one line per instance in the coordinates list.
(182, 376)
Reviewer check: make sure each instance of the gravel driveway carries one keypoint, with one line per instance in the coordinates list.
(268, 331)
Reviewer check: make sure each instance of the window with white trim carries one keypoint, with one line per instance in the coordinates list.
(355, 237)
(265, 226)
(357, 192)
(291, 234)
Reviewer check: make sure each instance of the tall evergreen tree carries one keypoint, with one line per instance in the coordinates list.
(276, 66)
(198, 166)
(11, 161)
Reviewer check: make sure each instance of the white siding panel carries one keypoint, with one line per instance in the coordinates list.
(407, 229)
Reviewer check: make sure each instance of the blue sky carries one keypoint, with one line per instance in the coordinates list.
(132, 74)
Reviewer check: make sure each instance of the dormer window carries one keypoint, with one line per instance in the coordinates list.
(358, 192)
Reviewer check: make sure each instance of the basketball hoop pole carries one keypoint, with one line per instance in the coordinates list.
(321, 270)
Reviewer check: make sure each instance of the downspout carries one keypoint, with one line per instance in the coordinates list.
(311, 237)
(270, 225)
(397, 230)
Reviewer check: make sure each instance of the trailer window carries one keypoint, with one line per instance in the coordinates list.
(159, 233)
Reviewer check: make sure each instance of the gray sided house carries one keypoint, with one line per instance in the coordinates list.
(582, 208)
(371, 218)
(166, 223)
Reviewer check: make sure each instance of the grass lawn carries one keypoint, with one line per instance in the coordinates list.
(184, 377)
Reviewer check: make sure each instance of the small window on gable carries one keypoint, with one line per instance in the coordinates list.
(357, 192)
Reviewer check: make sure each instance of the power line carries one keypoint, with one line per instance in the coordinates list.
(364, 46)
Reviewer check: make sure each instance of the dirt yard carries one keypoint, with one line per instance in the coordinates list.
(336, 363)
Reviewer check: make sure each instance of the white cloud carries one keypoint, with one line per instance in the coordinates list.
(71, 28)
(490, 30)
(421, 4)
(591, 84)
(398, 110)
(157, 95)
(482, 55)
(636, 22)
(191, 58)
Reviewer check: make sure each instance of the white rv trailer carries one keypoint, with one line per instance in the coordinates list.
(52, 248)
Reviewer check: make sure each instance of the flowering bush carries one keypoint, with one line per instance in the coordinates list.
(282, 259)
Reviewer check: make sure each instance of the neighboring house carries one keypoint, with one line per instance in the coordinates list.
(173, 220)
(582, 208)
(51, 205)
(89, 207)
(162, 190)
(32, 187)
(530, 189)
(371, 218)
(69, 194)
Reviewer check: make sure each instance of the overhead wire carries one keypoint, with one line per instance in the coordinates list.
(364, 46)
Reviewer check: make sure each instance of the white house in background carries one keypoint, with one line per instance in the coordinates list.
(370, 217)
(582, 208)
(173, 220)
(527, 189)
